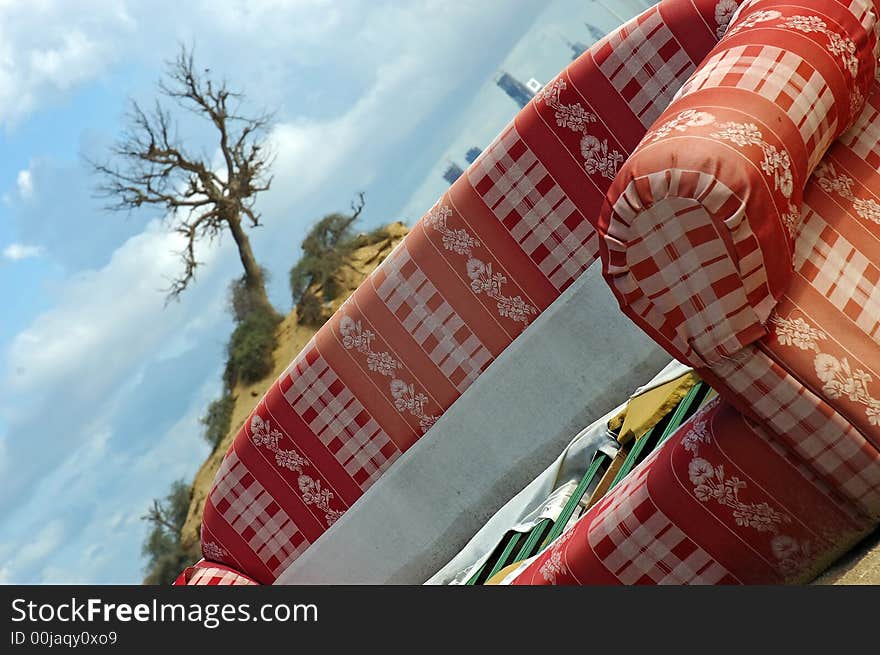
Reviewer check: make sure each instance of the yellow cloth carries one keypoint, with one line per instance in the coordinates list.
(498, 577)
(644, 411)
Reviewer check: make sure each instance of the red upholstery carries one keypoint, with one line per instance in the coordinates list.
(816, 378)
(729, 499)
(204, 573)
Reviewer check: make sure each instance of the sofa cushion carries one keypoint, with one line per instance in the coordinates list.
(697, 232)
(718, 503)
(497, 249)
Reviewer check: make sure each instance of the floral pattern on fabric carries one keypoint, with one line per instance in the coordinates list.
(213, 551)
(483, 279)
(838, 378)
(598, 157)
(684, 120)
(832, 182)
(264, 435)
(776, 163)
(554, 565)
(712, 484)
(406, 398)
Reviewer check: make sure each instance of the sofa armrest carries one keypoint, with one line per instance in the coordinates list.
(697, 230)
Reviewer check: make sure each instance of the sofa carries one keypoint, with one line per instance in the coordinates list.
(719, 163)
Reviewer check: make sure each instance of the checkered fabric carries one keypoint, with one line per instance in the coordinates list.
(545, 222)
(815, 379)
(696, 235)
(840, 271)
(717, 503)
(207, 574)
(646, 78)
(492, 254)
(246, 506)
(639, 544)
(431, 321)
(336, 417)
(832, 447)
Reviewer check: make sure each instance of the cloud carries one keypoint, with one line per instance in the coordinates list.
(99, 404)
(16, 252)
(103, 544)
(35, 550)
(51, 47)
(53, 205)
(25, 184)
(67, 374)
(110, 310)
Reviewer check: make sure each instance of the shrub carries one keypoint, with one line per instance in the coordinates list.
(310, 310)
(242, 300)
(165, 555)
(218, 418)
(325, 249)
(377, 235)
(251, 347)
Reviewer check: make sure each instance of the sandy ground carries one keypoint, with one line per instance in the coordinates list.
(860, 566)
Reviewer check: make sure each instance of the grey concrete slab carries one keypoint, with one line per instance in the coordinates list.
(578, 360)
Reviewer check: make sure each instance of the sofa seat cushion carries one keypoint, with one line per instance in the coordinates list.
(720, 502)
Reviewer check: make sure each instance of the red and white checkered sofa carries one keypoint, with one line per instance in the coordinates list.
(745, 249)
(499, 247)
(492, 254)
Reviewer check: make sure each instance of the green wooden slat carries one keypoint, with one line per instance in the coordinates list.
(562, 520)
(531, 542)
(686, 408)
(482, 573)
(536, 536)
(635, 452)
(506, 554)
(476, 576)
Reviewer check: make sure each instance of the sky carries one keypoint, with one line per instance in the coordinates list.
(101, 382)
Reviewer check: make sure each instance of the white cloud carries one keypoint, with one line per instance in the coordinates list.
(104, 545)
(15, 252)
(41, 543)
(107, 319)
(50, 47)
(25, 183)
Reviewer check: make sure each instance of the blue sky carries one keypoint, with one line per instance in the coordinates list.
(101, 384)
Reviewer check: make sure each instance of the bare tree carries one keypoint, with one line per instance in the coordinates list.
(151, 166)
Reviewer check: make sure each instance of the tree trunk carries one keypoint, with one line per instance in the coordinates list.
(253, 274)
